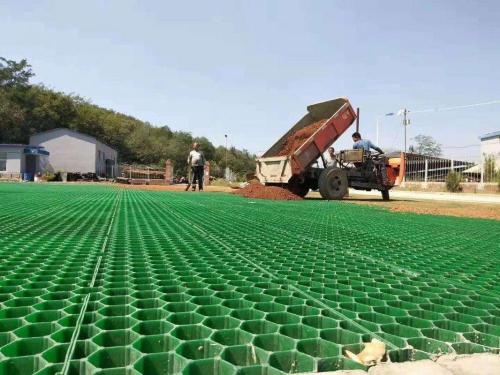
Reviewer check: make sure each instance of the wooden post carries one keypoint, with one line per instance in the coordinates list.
(169, 172)
(206, 174)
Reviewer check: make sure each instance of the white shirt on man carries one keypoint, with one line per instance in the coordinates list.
(196, 158)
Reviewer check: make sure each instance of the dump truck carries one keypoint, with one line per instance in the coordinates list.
(300, 170)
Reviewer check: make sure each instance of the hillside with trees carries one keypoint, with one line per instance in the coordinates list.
(27, 108)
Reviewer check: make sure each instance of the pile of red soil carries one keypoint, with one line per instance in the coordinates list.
(298, 138)
(258, 191)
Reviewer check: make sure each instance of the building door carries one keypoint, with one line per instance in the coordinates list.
(30, 167)
(30, 164)
(110, 166)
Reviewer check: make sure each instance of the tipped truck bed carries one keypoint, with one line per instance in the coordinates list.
(274, 169)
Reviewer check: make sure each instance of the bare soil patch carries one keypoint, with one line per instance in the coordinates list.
(258, 191)
(458, 209)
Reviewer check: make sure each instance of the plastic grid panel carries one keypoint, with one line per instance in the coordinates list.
(215, 284)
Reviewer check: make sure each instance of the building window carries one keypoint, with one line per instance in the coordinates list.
(3, 161)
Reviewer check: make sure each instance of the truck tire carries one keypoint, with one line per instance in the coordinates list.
(333, 183)
(298, 188)
(385, 195)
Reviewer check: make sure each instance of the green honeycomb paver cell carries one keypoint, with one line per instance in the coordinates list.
(21, 366)
(113, 357)
(26, 347)
(119, 281)
(292, 362)
(245, 355)
(209, 367)
(199, 349)
(160, 363)
(319, 348)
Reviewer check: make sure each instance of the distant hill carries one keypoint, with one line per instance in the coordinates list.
(26, 109)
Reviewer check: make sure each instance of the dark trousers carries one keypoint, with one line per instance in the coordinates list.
(197, 172)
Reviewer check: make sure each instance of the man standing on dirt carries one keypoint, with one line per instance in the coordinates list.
(196, 160)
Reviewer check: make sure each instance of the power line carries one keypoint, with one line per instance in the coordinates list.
(405, 112)
(457, 107)
(467, 146)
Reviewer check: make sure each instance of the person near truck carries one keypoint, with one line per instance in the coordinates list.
(364, 144)
(196, 160)
(332, 158)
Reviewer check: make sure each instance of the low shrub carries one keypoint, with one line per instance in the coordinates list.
(453, 181)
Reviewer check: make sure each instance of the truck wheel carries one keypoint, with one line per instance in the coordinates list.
(333, 183)
(385, 195)
(297, 188)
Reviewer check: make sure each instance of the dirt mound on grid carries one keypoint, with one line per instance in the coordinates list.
(259, 191)
(296, 140)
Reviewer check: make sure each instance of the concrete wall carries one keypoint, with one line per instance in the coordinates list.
(15, 158)
(491, 147)
(69, 151)
(467, 187)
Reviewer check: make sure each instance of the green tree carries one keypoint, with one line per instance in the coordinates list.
(426, 145)
(47, 109)
(490, 169)
(11, 119)
(14, 73)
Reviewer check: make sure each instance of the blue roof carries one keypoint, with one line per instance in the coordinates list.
(35, 150)
(490, 135)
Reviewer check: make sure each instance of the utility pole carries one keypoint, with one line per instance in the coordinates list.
(406, 122)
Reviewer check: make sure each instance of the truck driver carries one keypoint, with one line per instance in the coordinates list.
(364, 144)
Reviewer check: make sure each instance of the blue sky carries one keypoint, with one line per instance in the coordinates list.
(249, 68)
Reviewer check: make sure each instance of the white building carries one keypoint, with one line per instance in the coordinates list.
(57, 150)
(21, 161)
(490, 145)
(74, 152)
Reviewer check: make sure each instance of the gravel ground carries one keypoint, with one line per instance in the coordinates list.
(473, 364)
(435, 196)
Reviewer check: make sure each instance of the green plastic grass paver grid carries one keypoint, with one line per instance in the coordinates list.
(424, 313)
(165, 297)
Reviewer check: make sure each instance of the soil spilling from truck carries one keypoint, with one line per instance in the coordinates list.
(297, 139)
(259, 191)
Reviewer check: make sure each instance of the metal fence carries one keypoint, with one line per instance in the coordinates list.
(421, 168)
(138, 172)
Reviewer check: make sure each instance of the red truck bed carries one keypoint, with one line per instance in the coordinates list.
(339, 114)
